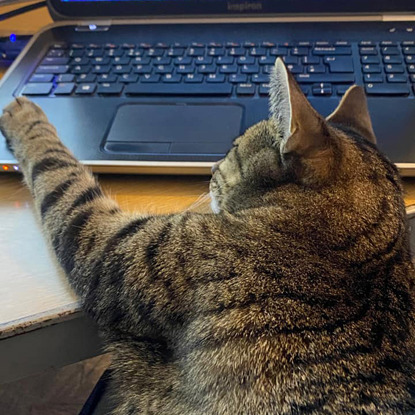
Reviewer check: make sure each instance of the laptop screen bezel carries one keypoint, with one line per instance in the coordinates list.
(187, 8)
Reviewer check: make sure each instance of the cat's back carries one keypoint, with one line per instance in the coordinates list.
(284, 323)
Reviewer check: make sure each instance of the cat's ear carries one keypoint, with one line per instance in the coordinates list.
(352, 112)
(301, 129)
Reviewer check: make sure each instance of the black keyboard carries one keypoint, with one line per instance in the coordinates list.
(232, 69)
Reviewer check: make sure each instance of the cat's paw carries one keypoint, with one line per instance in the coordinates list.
(18, 119)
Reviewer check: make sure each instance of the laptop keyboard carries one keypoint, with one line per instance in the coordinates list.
(232, 69)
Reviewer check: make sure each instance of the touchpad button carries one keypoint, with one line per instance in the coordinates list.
(174, 129)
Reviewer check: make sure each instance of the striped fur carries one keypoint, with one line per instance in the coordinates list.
(297, 298)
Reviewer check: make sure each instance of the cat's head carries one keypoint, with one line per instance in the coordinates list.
(297, 147)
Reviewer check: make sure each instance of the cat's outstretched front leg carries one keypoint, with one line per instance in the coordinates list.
(119, 264)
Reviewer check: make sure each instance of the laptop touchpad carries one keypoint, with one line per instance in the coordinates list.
(174, 129)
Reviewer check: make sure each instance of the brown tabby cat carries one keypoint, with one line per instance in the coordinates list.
(297, 297)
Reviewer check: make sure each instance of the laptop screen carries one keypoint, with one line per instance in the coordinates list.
(138, 8)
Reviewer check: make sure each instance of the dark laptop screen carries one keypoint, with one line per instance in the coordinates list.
(137, 8)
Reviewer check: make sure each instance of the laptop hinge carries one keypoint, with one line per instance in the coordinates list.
(101, 26)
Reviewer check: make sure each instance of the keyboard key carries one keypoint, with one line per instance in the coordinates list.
(216, 52)
(52, 69)
(299, 51)
(411, 68)
(260, 78)
(94, 52)
(392, 59)
(183, 60)
(196, 52)
(290, 60)
(258, 52)
(140, 60)
(388, 43)
(82, 61)
(264, 89)
(193, 78)
(143, 69)
(215, 78)
(225, 60)
(127, 78)
(163, 69)
(394, 69)
(246, 60)
(86, 78)
(245, 89)
(325, 91)
(37, 89)
(111, 53)
(228, 69)
(121, 69)
(232, 45)
(367, 59)
(99, 60)
(310, 60)
(366, 43)
(190, 89)
(108, 78)
(390, 50)
(339, 64)
(295, 69)
(397, 78)
(330, 78)
(371, 69)
(204, 60)
(333, 50)
(267, 60)
(100, 69)
(41, 78)
(118, 60)
(236, 52)
(412, 78)
(170, 78)
(65, 78)
(150, 79)
(250, 69)
(186, 69)
(109, 89)
(76, 53)
(154, 52)
(372, 78)
(279, 51)
(238, 78)
(409, 50)
(55, 61)
(85, 89)
(368, 51)
(64, 88)
(387, 89)
(80, 69)
(410, 58)
(206, 69)
(56, 52)
(316, 69)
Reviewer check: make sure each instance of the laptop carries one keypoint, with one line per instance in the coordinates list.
(164, 86)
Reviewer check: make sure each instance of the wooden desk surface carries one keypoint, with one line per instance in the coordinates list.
(32, 289)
